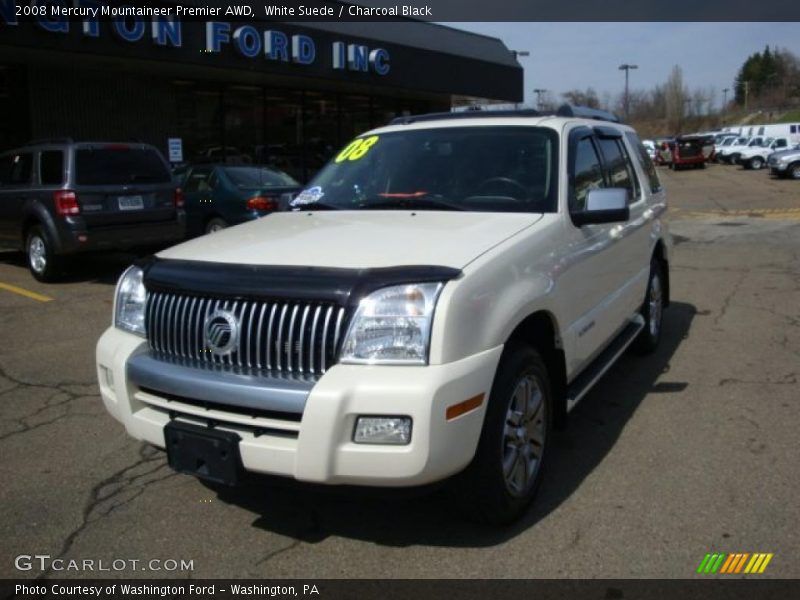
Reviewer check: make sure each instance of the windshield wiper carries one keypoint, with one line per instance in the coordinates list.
(316, 205)
(405, 202)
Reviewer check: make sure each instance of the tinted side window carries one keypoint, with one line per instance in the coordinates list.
(780, 143)
(588, 174)
(198, 180)
(21, 169)
(645, 161)
(51, 167)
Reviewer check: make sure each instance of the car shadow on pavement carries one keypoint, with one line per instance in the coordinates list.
(402, 518)
(103, 268)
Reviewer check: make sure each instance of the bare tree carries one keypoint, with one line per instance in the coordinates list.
(587, 97)
(676, 95)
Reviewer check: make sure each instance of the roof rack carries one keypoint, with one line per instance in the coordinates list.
(53, 140)
(565, 110)
(584, 112)
(473, 113)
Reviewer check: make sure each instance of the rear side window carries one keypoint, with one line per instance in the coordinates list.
(119, 166)
(645, 161)
(17, 169)
(588, 174)
(198, 180)
(5, 170)
(51, 167)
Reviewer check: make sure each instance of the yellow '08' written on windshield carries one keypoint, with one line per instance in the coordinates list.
(357, 149)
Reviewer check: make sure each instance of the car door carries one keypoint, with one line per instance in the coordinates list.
(598, 268)
(634, 235)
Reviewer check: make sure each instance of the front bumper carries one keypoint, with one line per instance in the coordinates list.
(316, 445)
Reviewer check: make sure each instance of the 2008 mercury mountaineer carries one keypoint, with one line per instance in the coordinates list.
(443, 293)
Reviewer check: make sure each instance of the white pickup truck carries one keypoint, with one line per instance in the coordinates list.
(730, 154)
(444, 293)
(755, 157)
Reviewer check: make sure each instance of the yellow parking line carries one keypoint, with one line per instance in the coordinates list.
(23, 292)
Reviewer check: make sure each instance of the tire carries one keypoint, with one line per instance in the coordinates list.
(702, 166)
(733, 159)
(756, 163)
(43, 264)
(794, 171)
(215, 224)
(652, 311)
(503, 478)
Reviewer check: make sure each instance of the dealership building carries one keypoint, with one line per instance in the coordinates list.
(256, 91)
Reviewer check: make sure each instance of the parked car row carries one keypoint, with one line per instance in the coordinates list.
(60, 198)
(774, 146)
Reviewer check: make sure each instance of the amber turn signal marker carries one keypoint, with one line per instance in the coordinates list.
(463, 407)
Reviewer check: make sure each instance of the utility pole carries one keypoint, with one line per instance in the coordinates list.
(539, 92)
(627, 68)
(519, 54)
(725, 99)
(746, 92)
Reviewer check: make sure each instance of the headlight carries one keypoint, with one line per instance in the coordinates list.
(129, 302)
(392, 326)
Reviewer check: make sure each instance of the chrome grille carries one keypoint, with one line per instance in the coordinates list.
(284, 336)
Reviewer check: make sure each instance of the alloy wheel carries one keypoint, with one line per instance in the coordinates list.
(37, 254)
(524, 436)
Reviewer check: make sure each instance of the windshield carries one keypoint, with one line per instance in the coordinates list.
(487, 169)
(258, 177)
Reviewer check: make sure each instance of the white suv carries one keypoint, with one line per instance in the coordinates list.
(445, 291)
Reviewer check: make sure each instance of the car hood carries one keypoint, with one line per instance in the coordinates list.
(357, 239)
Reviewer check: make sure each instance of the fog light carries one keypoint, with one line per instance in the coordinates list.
(383, 430)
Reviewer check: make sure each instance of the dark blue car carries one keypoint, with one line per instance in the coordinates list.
(218, 196)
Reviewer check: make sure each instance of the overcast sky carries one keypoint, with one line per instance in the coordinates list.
(565, 56)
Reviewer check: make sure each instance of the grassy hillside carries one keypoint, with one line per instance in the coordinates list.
(650, 128)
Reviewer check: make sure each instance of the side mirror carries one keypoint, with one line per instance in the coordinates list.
(606, 205)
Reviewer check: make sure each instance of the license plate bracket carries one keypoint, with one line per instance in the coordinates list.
(203, 452)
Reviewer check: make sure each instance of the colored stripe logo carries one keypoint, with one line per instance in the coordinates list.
(737, 562)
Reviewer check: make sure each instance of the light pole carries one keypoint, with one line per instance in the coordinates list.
(539, 92)
(519, 54)
(627, 68)
(725, 98)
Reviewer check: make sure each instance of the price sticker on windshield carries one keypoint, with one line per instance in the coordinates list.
(357, 149)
